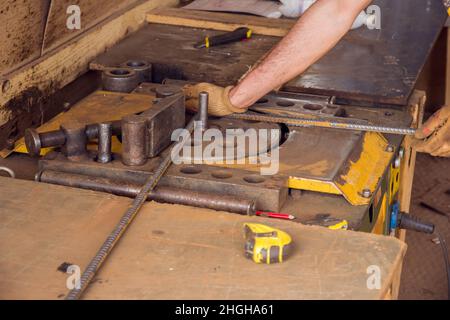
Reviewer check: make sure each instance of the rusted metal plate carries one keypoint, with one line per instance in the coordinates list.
(97, 107)
(171, 51)
(374, 66)
(315, 153)
(379, 66)
(269, 193)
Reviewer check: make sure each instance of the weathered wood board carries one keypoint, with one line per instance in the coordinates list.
(220, 21)
(40, 79)
(269, 9)
(173, 252)
(22, 28)
(92, 12)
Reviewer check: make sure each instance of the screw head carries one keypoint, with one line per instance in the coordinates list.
(397, 162)
(33, 142)
(66, 106)
(10, 144)
(401, 152)
(366, 193)
(390, 148)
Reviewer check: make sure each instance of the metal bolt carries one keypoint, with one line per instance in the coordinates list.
(203, 101)
(66, 106)
(401, 152)
(104, 142)
(390, 148)
(397, 162)
(166, 91)
(10, 144)
(366, 193)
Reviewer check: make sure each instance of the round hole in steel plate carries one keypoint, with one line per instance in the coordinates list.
(313, 107)
(285, 103)
(120, 72)
(221, 174)
(190, 170)
(135, 64)
(254, 179)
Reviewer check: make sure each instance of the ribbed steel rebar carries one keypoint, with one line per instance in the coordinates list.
(125, 221)
(322, 123)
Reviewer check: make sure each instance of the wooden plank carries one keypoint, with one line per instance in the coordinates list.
(22, 26)
(263, 8)
(92, 12)
(220, 21)
(57, 69)
(174, 252)
(416, 105)
(447, 90)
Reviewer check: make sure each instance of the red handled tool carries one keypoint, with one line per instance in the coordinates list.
(275, 215)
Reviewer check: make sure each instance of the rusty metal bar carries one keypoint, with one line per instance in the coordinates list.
(35, 141)
(127, 218)
(104, 142)
(134, 131)
(161, 194)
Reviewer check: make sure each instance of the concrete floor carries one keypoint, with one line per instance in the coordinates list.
(423, 274)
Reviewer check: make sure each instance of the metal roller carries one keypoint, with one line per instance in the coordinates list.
(120, 80)
(104, 142)
(134, 146)
(142, 68)
(161, 194)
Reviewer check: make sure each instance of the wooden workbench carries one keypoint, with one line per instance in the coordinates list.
(174, 252)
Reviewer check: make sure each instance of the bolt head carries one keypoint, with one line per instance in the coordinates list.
(366, 193)
(401, 152)
(397, 162)
(33, 142)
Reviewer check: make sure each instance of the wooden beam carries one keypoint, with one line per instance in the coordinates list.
(447, 78)
(220, 21)
(61, 66)
(22, 32)
(93, 12)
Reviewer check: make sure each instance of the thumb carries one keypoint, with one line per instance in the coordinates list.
(191, 104)
(190, 91)
(429, 127)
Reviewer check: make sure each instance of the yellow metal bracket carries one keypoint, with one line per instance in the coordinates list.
(364, 171)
